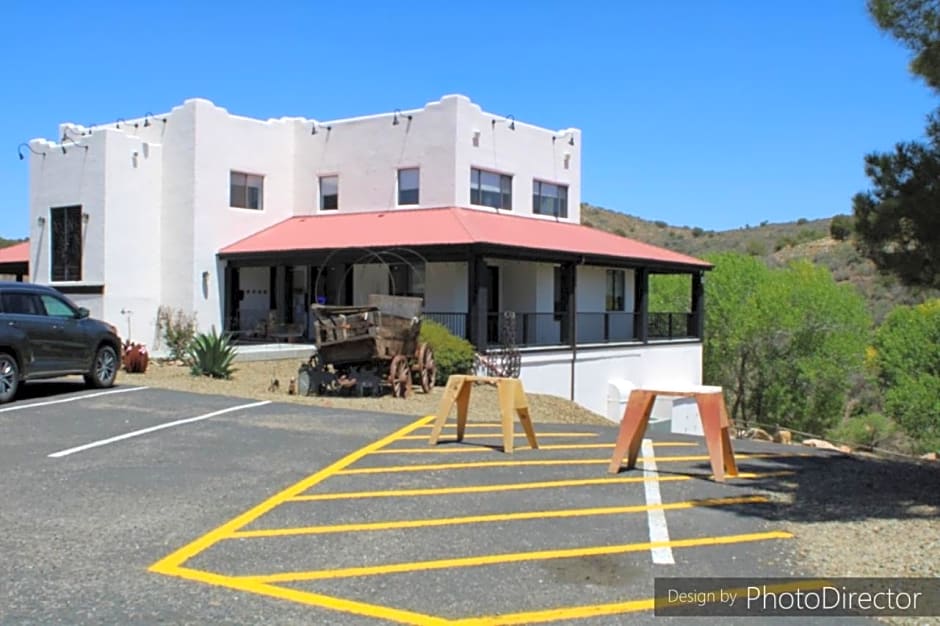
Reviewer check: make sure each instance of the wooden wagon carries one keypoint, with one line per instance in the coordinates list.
(368, 350)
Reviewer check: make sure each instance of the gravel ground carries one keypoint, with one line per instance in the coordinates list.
(863, 516)
(253, 379)
(853, 516)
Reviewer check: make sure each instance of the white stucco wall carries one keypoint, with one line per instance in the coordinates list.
(255, 283)
(549, 371)
(132, 234)
(367, 279)
(445, 287)
(156, 191)
(527, 153)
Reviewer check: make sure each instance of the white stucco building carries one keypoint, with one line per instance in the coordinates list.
(245, 222)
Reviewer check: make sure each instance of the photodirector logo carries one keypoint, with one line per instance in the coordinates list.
(797, 597)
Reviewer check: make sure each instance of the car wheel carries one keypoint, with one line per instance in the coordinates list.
(9, 377)
(104, 368)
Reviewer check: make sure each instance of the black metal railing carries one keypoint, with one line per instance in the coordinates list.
(607, 327)
(552, 329)
(456, 323)
(670, 326)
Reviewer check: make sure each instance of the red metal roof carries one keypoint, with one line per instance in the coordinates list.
(17, 253)
(447, 226)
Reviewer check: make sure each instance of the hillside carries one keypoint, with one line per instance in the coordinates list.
(8, 242)
(777, 244)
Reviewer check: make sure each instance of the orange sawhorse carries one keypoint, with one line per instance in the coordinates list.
(715, 424)
(511, 400)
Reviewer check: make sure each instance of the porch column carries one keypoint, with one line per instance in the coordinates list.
(641, 288)
(697, 319)
(478, 283)
(569, 276)
(228, 311)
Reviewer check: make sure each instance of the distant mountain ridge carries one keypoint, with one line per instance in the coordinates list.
(777, 243)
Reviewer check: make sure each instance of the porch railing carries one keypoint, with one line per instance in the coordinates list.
(670, 326)
(456, 323)
(551, 329)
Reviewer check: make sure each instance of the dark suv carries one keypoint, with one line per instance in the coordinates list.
(44, 335)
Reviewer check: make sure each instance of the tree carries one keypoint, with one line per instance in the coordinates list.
(907, 356)
(916, 24)
(896, 223)
(783, 343)
(841, 227)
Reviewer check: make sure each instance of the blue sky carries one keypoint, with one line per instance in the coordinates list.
(702, 113)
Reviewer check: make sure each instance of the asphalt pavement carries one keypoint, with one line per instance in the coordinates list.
(143, 506)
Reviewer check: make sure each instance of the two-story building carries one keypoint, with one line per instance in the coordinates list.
(245, 222)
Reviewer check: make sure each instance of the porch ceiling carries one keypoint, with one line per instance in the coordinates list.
(452, 227)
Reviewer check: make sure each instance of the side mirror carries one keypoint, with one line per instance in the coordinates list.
(82, 312)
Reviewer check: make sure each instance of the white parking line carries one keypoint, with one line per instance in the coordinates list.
(659, 532)
(98, 394)
(144, 431)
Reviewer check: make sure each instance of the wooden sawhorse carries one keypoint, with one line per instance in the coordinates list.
(715, 424)
(511, 400)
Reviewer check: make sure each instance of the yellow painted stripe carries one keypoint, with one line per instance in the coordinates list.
(470, 448)
(470, 425)
(311, 599)
(500, 436)
(440, 491)
(601, 610)
(168, 564)
(489, 518)
(427, 467)
(513, 557)
(476, 464)
(549, 484)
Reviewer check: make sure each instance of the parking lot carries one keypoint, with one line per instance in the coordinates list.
(142, 505)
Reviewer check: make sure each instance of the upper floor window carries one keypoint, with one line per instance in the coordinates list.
(549, 199)
(246, 191)
(329, 193)
(615, 283)
(66, 243)
(408, 185)
(490, 189)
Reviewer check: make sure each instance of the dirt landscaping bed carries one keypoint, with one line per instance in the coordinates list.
(253, 380)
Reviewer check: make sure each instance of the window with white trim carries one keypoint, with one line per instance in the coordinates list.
(549, 199)
(246, 191)
(409, 182)
(329, 193)
(490, 189)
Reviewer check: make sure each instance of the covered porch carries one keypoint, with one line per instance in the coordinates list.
(567, 285)
(14, 262)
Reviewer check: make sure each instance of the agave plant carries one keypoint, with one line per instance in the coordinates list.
(212, 354)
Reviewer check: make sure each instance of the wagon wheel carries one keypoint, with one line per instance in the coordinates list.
(427, 371)
(399, 376)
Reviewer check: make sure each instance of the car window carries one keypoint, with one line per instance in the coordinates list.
(56, 308)
(21, 304)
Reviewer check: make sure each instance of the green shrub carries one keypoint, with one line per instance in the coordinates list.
(660, 224)
(756, 248)
(177, 330)
(452, 355)
(841, 227)
(212, 354)
(866, 431)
